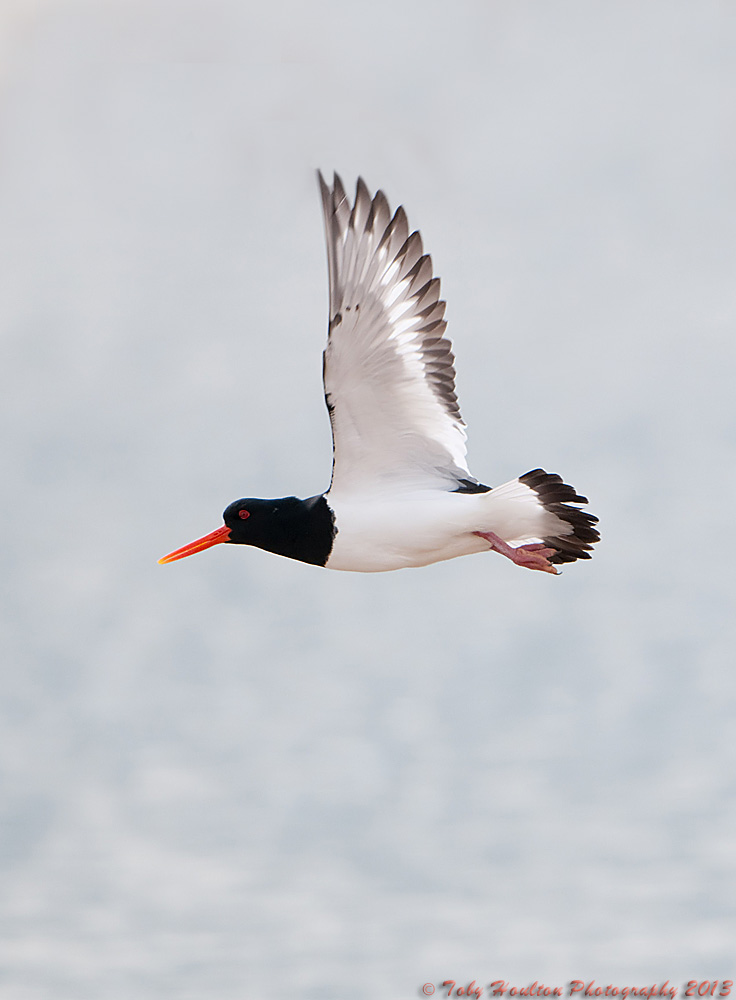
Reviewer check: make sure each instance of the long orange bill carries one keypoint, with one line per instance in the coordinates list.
(219, 535)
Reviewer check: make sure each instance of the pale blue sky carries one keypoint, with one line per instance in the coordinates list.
(241, 777)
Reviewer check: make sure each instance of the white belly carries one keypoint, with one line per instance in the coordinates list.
(373, 537)
(380, 533)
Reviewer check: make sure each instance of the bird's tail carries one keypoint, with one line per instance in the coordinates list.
(576, 535)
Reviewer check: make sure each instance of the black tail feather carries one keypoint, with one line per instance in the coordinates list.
(555, 496)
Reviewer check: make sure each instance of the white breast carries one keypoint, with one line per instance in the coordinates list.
(393, 531)
(379, 535)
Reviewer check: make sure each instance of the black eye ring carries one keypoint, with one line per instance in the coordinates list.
(244, 514)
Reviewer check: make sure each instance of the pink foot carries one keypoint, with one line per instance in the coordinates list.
(532, 556)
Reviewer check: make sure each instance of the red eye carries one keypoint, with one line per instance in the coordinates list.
(243, 514)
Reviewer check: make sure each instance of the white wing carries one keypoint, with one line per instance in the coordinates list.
(388, 369)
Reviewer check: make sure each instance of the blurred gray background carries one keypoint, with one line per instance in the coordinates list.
(242, 777)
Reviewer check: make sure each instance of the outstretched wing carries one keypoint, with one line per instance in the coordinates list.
(388, 368)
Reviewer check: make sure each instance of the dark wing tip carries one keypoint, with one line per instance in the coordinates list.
(338, 190)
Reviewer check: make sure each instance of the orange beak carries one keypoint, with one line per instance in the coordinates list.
(219, 535)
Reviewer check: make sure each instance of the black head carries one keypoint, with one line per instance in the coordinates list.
(254, 522)
(300, 529)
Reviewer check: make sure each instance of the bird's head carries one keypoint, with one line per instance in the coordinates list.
(245, 522)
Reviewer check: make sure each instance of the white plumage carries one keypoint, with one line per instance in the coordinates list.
(401, 490)
(388, 370)
(401, 493)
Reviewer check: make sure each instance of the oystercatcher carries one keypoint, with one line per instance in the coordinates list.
(401, 492)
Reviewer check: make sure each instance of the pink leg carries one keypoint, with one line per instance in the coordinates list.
(532, 556)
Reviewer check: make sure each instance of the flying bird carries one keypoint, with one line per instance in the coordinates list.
(401, 493)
